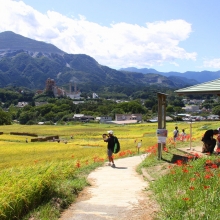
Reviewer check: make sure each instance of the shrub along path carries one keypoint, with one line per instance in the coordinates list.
(115, 193)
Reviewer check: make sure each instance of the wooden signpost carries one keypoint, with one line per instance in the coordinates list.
(161, 119)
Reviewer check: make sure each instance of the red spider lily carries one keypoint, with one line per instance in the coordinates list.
(152, 149)
(206, 187)
(190, 157)
(191, 187)
(209, 162)
(186, 199)
(185, 170)
(179, 162)
(129, 152)
(78, 164)
(122, 153)
(100, 159)
(196, 155)
(207, 176)
(165, 149)
(214, 166)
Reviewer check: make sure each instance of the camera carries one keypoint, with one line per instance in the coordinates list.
(104, 136)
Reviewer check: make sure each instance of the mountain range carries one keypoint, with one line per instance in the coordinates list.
(200, 77)
(29, 63)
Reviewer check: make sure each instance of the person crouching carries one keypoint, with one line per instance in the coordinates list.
(209, 141)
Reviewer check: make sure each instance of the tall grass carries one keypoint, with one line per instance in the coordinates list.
(37, 173)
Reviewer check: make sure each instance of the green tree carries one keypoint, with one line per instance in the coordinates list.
(216, 110)
(5, 118)
(26, 116)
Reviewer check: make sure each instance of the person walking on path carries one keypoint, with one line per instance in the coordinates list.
(110, 139)
(175, 133)
(209, 141)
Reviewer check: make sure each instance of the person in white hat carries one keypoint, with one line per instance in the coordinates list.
(110, 147)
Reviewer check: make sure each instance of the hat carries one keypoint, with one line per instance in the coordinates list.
(110, 132)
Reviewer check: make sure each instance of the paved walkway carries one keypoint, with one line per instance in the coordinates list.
(193, 150)
(115, 193)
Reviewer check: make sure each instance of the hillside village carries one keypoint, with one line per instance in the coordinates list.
(192, 110)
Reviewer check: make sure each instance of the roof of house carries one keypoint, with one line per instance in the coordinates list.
(211, 87)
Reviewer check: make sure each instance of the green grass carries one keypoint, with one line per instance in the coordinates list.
(40, 179)
(185, 191)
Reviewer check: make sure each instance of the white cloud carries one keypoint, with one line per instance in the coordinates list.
(214, 63)
(120, 45)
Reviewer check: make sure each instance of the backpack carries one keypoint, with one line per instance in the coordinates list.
(116, 145)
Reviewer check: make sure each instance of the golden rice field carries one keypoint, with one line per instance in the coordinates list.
(30, 170)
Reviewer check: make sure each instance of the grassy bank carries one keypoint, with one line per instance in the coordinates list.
(185, 190)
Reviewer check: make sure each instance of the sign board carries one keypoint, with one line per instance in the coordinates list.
(161, 135)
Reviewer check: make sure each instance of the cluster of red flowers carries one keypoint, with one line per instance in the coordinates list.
(78, 164)
(125, 153)
(152, 149)
(210, 167)
(98, 159)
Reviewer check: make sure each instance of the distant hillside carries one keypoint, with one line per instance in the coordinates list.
(29, 63)
(197, 77)
(14, 42)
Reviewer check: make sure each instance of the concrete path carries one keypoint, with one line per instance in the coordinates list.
(193, 150)
(115, 193)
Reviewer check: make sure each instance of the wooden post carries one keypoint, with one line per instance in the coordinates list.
(161, 118)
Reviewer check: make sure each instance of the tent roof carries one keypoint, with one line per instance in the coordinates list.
(211, 87)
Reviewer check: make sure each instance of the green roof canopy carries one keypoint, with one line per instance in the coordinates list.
(211, 87)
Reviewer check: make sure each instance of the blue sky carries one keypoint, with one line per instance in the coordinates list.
(167, 35)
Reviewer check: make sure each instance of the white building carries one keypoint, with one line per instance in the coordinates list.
(94, 95)
(103, 119)
(191, 108)
(125, 117)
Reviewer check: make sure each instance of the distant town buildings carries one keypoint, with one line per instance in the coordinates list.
(21, 104)
(75, 94)
(191, 108)
(103, 119)
(125, 117)
(51, 86)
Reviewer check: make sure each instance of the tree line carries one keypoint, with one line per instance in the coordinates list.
(61, 110)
